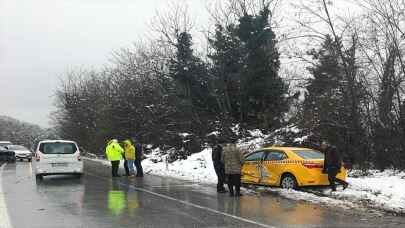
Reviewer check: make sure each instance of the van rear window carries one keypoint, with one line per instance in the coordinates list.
(309, 154)
(58, 148)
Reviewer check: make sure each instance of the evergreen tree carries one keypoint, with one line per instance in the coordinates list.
(326, 109)
(226, 70)
(324, 93)
(245, 65)
(189, 85)
(263, 92)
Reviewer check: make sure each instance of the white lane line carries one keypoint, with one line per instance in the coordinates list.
(4, 217)
(191, 204)
(174, 185)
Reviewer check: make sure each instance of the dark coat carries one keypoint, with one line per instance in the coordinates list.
(333, 159)
(217, 155)
(138, 151)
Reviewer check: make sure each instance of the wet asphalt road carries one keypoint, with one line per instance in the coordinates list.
(98, 201)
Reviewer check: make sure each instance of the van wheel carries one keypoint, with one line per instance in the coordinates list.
(288, 181)
(39, 177)
(29, 159)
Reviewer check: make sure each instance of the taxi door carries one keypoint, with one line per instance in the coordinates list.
(273, 167)
(251, 169)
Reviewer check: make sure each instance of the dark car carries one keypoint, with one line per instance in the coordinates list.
(6, 155)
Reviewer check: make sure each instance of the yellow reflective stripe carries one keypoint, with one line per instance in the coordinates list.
(284, 162)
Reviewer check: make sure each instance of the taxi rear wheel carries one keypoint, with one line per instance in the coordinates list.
(288, 181)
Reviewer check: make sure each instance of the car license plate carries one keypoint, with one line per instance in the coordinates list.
(59, 164)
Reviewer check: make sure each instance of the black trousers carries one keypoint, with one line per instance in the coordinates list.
(234, 181)
(220, 171)
(126, 168)
(139, 169)
(114, 168)
(332, 173)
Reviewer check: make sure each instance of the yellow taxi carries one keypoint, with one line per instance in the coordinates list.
(286, 167)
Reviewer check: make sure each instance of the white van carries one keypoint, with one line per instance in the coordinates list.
(54, 157)
(5, 143)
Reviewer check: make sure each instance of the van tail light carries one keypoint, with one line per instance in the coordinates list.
(79, 158)
(311, 165)
(37, 157)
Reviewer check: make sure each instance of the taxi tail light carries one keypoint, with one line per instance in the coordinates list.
(311, 165)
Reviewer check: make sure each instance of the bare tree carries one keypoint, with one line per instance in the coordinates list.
(383, 47)
(175, 19)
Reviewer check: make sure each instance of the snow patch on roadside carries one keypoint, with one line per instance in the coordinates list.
(378, 190)
(381, 190)
(214, 133)
(197, 167)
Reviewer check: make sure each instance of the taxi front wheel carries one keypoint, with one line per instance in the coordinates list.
(288, 181)
(39, 177)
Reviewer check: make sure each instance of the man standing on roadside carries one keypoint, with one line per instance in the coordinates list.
(114, 153)
(219, 167)
(126, 168)
(138, 158)
(129, 156)
(332, 165)
(233, 160)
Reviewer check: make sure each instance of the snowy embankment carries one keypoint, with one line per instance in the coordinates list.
(384, 190)
(378, 190)
(197, 167)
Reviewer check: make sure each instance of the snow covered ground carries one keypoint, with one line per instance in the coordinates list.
(198, 167)
(383, 190)
(378, 190)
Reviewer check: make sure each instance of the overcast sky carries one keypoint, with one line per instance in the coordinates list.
(41, 39)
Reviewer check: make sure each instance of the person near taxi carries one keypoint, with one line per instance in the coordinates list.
(219, 167)
(138, 158)
(332, 165)
(233, 159)
(129, 151)
(126, 169)
(114, 154)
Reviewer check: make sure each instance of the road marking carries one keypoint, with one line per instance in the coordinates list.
(174, 185)
(4, 217)
(189, 203)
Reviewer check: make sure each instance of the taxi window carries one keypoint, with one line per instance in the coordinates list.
(275, 156)
(257, 156)
(309, 154)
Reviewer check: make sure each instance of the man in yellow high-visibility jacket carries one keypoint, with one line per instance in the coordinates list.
(114, 153)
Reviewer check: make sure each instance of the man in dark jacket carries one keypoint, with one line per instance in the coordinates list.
(332, 165)
(219, 167)
(138, 158)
